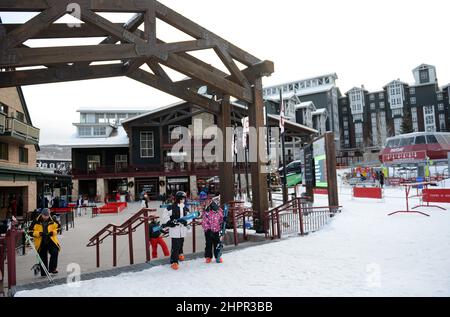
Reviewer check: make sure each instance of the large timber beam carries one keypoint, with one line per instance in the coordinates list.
(158, 83)
(58, 74)
(259, 178)
(226, 173)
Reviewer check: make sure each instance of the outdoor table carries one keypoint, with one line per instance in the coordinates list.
(408, 187)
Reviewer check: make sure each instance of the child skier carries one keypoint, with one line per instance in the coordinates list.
(177, 228)
(156, 238)
(212, 224)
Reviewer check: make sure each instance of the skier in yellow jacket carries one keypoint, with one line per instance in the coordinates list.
(45, 233)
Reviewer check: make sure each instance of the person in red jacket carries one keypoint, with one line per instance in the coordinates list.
(156, 238)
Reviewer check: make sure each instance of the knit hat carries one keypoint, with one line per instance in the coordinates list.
(45, 212)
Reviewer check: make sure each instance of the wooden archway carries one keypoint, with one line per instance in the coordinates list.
(134, 48)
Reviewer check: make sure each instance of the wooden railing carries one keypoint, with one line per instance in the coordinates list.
(297, 217)
(143, 217)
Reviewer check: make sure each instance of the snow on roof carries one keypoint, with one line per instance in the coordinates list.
(119, 138)
(306, 104)
(334, 75)
(319, 112)
(294, 124)
(422, 66)
(395, 81)
(109, 110)
(145, 114)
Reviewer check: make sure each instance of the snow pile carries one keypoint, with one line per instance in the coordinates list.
(363, 252)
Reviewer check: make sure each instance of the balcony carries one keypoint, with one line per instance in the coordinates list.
(18, 131)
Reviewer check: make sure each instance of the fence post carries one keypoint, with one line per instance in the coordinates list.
(2, 264)
(273, 224)
(130, 243)
(114, 246)
(193, 237)
(97, 248)
(67, 221)
(300, 217)
(278, 224)
(11, 256)
(236, 239)
(147, 235)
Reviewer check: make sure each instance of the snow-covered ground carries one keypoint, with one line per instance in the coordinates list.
(363, 252)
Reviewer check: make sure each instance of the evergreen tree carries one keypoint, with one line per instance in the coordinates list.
(407, 126)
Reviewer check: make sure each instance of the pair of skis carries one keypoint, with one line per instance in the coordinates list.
(220, 246)
(191, 216)
(40, 265)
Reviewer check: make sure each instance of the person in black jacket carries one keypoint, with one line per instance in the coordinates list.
(157, 238)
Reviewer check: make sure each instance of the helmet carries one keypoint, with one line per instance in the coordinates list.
(180, 195)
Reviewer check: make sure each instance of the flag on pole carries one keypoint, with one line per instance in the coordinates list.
(282, 113)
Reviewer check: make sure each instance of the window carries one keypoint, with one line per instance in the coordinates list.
(424, 77)
(372, 106)
(100, 131)
(412, 91)
(415, 121)
(381, 95)
(430, 122)
(20, 116)
(93, 162)
(372, 97)
(359, 137)
(442, 122)
(23, 155)
(420, 140)
(441, 107)
(398, 126)
(413, 100)
(3, 108)
(406, 141)
(147, 145)
(84, 131)
(431, 139)
(382, 104)
(121, 162)
(440, 97)
(4, 151)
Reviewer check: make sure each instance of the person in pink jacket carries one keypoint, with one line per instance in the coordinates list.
(212, 224)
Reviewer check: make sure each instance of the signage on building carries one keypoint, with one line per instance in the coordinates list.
(177, 180)
(320, 163)
(308, 166)
(404, 157)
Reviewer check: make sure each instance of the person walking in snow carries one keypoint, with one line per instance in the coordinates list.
(177, 228)
(156, 238)
(212, 224)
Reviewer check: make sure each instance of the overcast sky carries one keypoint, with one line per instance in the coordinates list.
(364, 42)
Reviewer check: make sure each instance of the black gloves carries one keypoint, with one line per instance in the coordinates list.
(171, 224)
(50, 234)
(41, 234)
(183, 222)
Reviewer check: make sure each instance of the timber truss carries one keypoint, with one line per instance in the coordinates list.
(125, 43)
(142, 56)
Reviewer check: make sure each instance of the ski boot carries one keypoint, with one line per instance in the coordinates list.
(181, 258)
(175, 266)
(208, 260)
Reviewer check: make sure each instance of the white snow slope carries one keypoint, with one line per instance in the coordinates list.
(363, 252)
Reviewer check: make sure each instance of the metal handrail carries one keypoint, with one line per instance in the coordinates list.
(127, 228)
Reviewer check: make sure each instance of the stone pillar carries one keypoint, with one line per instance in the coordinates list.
(193, 186)
(101, 189)
(75, 189)
(163, 189)
(30, 197)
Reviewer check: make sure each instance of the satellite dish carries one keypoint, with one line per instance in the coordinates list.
(203, 90)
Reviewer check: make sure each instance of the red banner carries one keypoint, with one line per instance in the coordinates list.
(436, 195)
(369, 192)
(405, 156)
(320, 191)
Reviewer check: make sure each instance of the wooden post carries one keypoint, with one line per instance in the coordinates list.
(259, 181)
(147, 235)
(114, 246)
(130, 243)
(226, 166)
(330, 150)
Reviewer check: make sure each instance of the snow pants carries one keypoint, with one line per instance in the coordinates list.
(44, 250)
(212, 240)
(159, 241)
(177, 249)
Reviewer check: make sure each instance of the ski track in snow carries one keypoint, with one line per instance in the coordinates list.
(363, 252)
